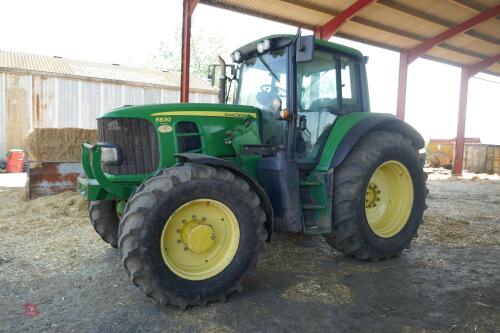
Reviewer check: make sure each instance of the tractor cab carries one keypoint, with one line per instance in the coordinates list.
(300, 86)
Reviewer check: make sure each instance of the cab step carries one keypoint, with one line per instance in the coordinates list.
(312, 206)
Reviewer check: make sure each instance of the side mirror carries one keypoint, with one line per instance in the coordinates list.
(304, 49)
(211, 74)
(233, 70)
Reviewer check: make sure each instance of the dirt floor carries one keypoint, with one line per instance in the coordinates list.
(449, 281)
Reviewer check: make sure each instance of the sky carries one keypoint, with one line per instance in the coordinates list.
(129, 31)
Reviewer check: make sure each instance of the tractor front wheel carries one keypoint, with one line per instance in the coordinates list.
(378, 197)
(190, 234)
(104, 218)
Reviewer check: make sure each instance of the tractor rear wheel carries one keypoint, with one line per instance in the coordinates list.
(105, 220)
(190, 234)
(379, 196)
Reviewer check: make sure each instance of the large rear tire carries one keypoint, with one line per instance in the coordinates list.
(379, 197)
(105, 221)
(190, 234)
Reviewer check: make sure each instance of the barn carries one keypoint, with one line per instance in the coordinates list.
(38, 91)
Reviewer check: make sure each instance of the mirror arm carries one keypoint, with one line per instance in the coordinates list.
(222, 81)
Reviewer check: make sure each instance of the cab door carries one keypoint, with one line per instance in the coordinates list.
(326, 88)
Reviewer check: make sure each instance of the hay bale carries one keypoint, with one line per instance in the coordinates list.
(58, 144)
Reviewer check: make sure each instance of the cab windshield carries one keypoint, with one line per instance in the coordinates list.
(262, 79)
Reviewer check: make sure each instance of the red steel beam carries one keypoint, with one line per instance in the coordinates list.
(329, 29)
(483, 64)
(462, 109)
(187, 12)
(467, 73)
(426, 45)
(403, 74)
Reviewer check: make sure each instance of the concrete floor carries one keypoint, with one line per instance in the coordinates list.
(447, 282)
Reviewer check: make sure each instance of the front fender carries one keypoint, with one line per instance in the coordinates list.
(350, 128)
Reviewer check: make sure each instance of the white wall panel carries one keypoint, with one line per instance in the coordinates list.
(43, 110)
(133, 95)
(112, 97)
(152, 95)
(2, 116)
(67, 96)
(170, 96)
(90, 103)
(17, 103)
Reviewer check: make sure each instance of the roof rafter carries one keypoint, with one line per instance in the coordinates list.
(329, 28)
(423, 47)
(483, 64)
(472, 5)
(402, 8)
(318, 12)
(383, 27)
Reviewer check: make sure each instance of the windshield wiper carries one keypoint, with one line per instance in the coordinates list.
(269, 68)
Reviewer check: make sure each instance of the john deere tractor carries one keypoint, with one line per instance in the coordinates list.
(189, 193)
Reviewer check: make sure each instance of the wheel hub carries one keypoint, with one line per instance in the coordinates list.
(389, 199)
(198, 238)
(372, 195)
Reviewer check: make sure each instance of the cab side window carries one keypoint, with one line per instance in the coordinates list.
(317, 97)
(350, 85)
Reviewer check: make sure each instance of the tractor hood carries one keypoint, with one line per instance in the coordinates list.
(154, 111)
(218, 130)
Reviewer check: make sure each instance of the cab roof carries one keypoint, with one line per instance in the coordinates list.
(283, 40)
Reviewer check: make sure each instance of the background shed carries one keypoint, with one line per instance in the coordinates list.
(41, 91)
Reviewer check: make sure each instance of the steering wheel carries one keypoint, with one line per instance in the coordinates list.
(270, 89)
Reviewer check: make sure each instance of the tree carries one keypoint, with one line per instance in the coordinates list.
(206, 46)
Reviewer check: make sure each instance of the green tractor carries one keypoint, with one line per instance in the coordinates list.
(189, 193)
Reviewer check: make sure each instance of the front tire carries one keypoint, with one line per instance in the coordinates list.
(190, 234)
(379, 196)
(105, 220)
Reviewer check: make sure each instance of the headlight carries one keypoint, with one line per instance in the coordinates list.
(263, 46)
(236, 56)
(111, 154)
(266, 44)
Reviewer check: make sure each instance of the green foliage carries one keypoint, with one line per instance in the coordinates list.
(205, 47)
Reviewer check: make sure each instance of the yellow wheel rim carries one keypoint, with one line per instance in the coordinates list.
(200, 239)
(389, 199)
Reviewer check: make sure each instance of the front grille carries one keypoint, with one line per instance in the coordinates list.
(188, 137)
(138, 141)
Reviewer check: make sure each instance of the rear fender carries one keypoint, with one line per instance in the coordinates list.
(350, 128)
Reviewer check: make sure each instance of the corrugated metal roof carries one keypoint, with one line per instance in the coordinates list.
(392, 24)
(62, 66)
